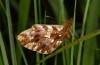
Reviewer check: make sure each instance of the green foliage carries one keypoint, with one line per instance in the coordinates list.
(16, 16)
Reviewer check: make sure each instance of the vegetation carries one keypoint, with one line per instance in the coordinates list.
(82, 48)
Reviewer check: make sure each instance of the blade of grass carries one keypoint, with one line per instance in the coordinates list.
(61, 11)
(14, 4)
(35, 11)
(36, 21)
(68, 56)
(1, 4)
(73, 35)
(56, 5)
(83, 31)
(11, 37)
(63, 56)
(39, 7)
(88, 36)
(21, 50)
(62, 18)
(97, 49)
(92, 24)
(44, 63)
(44, 17)
(73, 29)
(4, 54)
(43, 56)
(72, 54)
(23, 13)
(1, 61)
(55, 61)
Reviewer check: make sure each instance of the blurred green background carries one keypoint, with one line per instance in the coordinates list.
(19, 15)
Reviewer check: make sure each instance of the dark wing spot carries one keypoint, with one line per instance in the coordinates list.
(54, 28)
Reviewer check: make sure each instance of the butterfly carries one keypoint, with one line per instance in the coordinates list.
(45, 38)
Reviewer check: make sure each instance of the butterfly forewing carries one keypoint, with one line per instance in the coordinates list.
(45, 38)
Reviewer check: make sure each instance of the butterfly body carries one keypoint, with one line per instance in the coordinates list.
(45, 38)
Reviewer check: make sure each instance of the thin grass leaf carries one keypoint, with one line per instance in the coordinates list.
(57, 6)
(1, 4)
(72, 54)
(39, 7)
(1, 61)
(73, 35)
(45, 17)
(3, 50)
(88, 36)
(63, 56)
(35, 11)
(44, 63)
(62, 18)
(83, 31)
(43, 56)
(23, 55)
(97, 49)
(14, 4)
(11, 37)
(74, 17)
(36, 21)
(67, 56)
(23, 13)
(61, 11)
(92, 24)
(55, 61)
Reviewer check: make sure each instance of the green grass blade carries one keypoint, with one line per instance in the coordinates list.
(82, 33)
(92, 24)
(72, 54)
(74, 17)
(23, 55)
(39, 7)
(73, 35)
(11, 37)
(44, 63)
(68, 57)
(61, 11)
(36, 21)
(1, 5)
(56, 5)
(55, 61)
(23, 13)
(4, 54)
(63, 56)
(88, 36)
(61, 19)
(44, 17)
(1, 61)
(43, 56)
(35, 11)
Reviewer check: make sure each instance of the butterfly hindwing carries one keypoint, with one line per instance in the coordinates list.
(45, 38)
